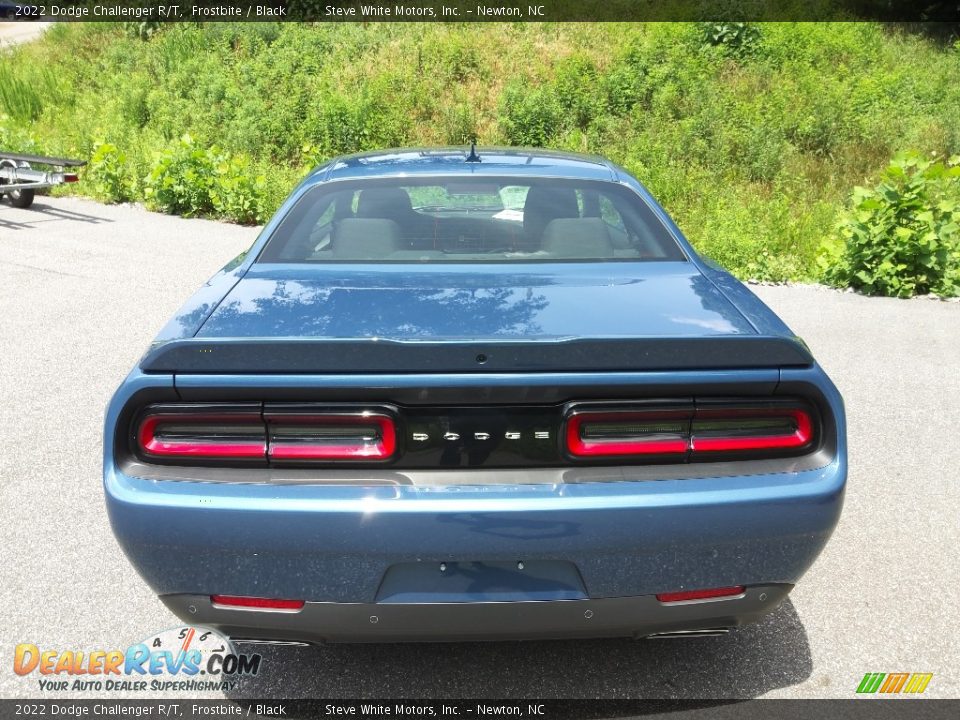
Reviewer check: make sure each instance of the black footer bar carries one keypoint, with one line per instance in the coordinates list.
(873, 708)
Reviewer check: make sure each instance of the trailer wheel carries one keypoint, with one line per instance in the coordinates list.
(18, 198)
(21, 198)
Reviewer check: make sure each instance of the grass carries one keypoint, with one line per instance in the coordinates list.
(753, 148)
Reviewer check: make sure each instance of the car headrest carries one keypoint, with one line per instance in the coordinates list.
(544, 204)
(365, 238)
(577, 238)
(389, 203)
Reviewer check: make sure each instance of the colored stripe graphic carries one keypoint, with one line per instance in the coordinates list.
(870, 682)
(918, 683)
(893, 683)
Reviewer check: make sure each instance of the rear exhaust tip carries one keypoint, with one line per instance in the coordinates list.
(705, 632)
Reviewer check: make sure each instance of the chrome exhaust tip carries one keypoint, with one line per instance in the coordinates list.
(705, 632)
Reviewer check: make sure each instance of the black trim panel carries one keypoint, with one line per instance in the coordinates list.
(323, 622)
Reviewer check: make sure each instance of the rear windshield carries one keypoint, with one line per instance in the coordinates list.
(469, 220)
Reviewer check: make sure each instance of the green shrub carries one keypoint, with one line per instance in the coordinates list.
(624, 87)
(143, 30)
(576, 88)
(530, 116)
(341, 126)
(237, 192)
(902, 237)
(189, 180)
(459, 124)
(108, 172)
(19, 97)
(17, 138)
(736, 38)
(181, 180)
(457, 56)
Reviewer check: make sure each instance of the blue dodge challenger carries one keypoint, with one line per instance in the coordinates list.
(462, 396)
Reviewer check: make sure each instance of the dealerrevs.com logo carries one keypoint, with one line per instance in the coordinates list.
(191, 659)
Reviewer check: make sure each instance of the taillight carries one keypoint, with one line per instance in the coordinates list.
(700, 431)
(241, 602)
(249, 433)
(362, 435)
(628, 432)
(695, 595)
(202, 432)
(71, 178)
(731, 429)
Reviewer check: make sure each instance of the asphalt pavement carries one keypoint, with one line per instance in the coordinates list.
(14, 33)
(86, 286)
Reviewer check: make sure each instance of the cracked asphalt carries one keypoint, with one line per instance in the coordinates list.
(86, 286)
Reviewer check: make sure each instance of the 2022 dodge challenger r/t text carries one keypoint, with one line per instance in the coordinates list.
(448, 397)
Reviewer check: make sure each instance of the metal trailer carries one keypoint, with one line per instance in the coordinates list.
(19, 181)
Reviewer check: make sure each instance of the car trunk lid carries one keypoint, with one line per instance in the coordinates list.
(470, 318)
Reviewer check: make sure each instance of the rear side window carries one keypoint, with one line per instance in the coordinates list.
(470, 220)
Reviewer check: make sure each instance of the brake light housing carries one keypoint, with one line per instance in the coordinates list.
(693, 432)
(254, 434)
(206, 432)
(297, 435)
(628, 432)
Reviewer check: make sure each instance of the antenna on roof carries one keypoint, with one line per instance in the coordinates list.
(473, 157)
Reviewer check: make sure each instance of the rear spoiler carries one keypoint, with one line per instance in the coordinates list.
(308, 355)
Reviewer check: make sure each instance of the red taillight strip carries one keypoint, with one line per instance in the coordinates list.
(580, 446)
(382, 448)
(211, 448)
(245, 434)
(701, 433)
(710, 594)
(800, 437)
(256, 603)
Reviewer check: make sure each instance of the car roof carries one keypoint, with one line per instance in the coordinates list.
(503, 161)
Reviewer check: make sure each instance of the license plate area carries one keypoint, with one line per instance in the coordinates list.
(481, 581)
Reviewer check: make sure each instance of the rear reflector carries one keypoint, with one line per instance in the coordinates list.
(347, 436)
(687, 432)
(711, 594)
(70, 178)
(255, 603)
(224, 435)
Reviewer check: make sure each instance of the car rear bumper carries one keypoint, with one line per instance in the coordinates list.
(323, 622)
(333, 547)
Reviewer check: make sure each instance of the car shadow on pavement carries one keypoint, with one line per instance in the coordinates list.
(748, 662)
